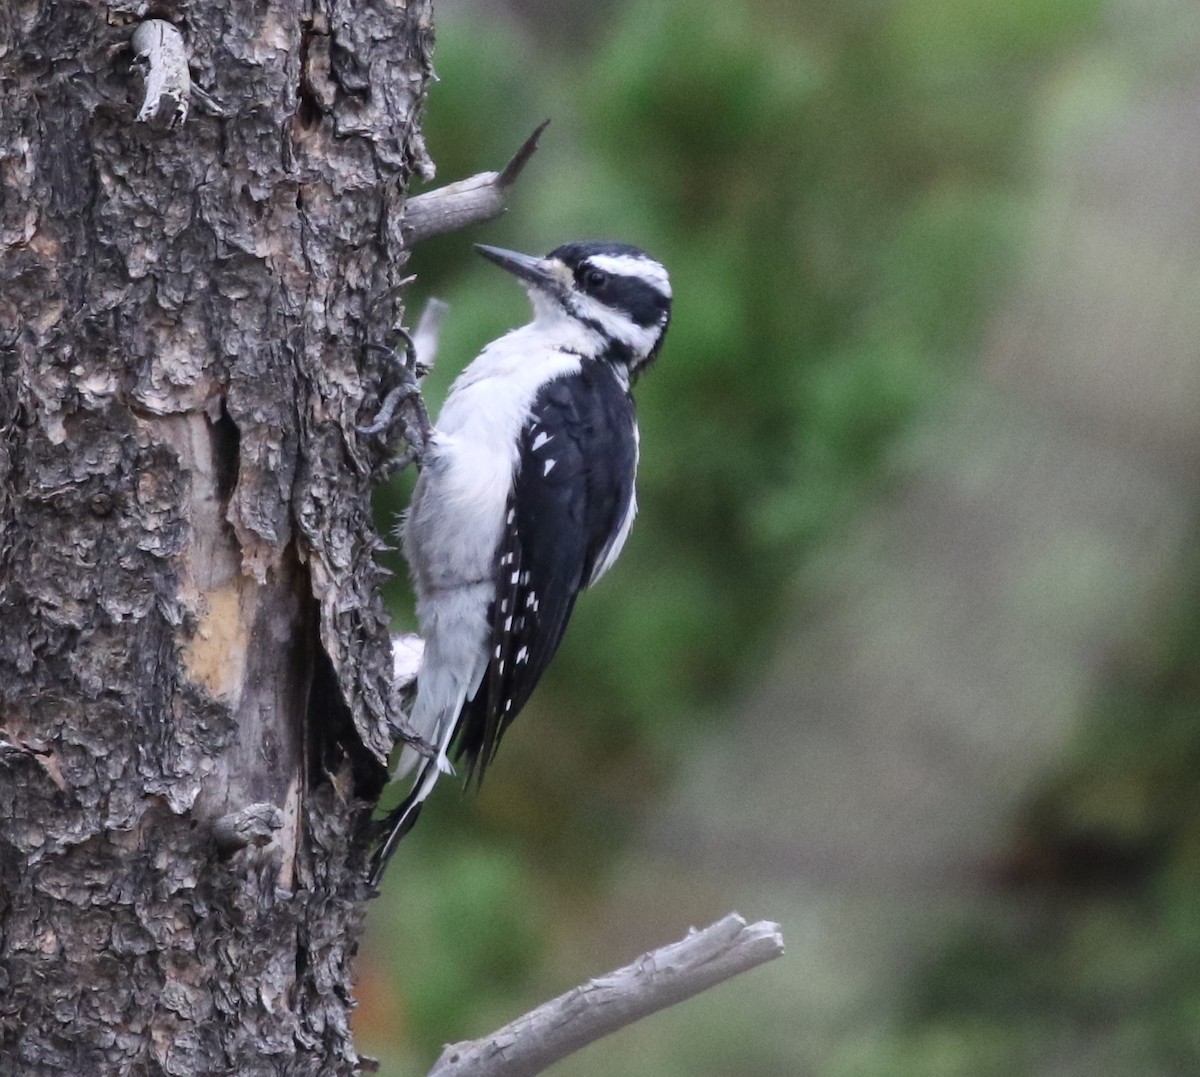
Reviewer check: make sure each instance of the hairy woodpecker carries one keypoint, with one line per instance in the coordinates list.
(526, 496)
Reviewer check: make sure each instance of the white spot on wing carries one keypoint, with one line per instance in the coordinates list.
(548, 465)
(541, 439)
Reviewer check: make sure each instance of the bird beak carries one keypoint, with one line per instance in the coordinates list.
(540, 273)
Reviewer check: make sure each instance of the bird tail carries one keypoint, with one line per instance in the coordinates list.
(442, 689)
(435, 713)
(400, 821)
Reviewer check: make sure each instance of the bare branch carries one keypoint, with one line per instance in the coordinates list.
(514, 168)
(654, 981)
(161, 58)
(471, 201)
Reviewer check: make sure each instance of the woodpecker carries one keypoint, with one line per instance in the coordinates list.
(525, 497)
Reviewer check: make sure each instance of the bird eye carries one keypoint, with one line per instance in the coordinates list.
(595, 278)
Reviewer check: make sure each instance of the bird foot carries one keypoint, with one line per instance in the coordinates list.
(402, 411)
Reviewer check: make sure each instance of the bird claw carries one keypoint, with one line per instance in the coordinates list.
(425, 749)
(403, 409)
(383, 419)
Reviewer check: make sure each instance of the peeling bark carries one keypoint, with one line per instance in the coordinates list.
(195, 674)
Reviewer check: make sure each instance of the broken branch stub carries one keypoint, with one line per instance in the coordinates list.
(479, 198)
(160, 56)
(660, 978)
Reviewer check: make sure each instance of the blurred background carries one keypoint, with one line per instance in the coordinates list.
(904, 651)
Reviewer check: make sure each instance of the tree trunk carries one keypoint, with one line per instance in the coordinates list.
(195, 692)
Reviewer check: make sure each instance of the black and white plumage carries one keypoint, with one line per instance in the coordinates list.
(526, 497)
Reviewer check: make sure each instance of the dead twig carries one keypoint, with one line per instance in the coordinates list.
(479, 198)
(654, 981)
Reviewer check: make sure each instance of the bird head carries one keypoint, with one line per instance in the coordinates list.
(618, 293)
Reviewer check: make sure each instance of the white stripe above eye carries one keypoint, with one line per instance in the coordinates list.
(633, 265)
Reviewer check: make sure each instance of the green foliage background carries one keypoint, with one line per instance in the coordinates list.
(839, 191)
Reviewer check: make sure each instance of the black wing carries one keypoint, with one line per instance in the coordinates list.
(572, 493)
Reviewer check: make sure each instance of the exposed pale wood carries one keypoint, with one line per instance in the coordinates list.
(159, 54)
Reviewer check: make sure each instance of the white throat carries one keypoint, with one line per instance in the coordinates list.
(557, 329)
(560, 329)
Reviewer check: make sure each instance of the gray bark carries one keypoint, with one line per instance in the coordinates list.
(195, 692)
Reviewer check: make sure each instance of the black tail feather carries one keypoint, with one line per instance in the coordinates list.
(398, 823)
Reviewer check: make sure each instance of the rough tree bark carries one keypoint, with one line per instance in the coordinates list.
(194, 670)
